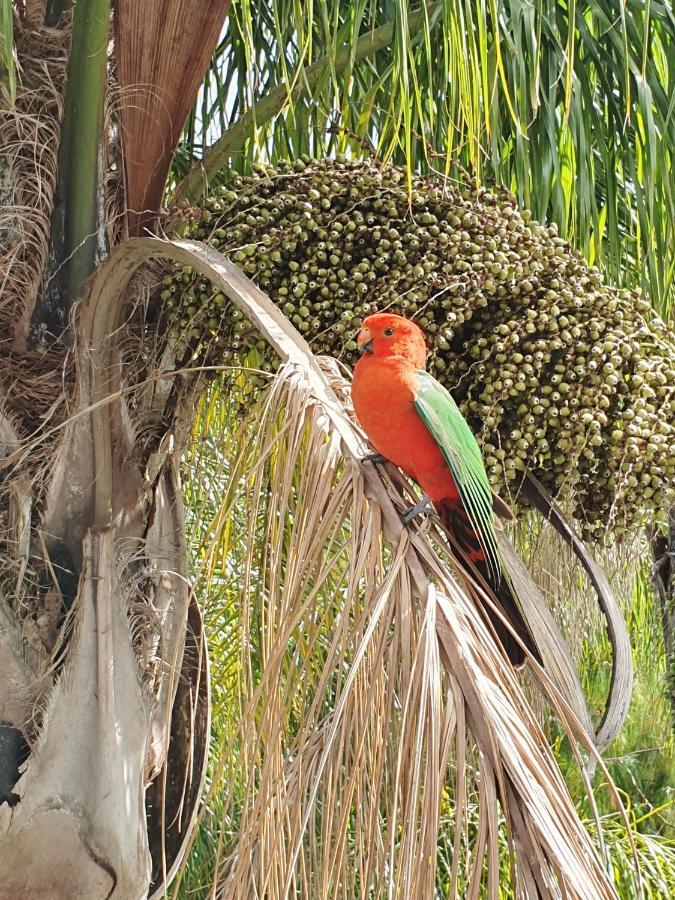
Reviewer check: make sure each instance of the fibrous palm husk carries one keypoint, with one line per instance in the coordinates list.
(107, 688)
(163, 48)
(29, 138)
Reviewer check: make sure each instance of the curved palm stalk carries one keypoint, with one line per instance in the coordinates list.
(621, 685)
(419, 664)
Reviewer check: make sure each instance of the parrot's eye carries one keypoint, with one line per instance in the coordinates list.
(388, 331)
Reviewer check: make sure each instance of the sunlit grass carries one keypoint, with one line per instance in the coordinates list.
(641, 760)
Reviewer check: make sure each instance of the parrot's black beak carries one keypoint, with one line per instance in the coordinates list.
(365, 348)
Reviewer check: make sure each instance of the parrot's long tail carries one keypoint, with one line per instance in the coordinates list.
(456, 520)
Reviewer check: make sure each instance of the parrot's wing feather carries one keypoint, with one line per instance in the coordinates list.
(442, 417)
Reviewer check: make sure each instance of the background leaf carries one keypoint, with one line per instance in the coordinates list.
(538, 97)
(7, 68)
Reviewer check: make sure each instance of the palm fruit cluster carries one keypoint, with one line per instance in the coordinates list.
(553, 369)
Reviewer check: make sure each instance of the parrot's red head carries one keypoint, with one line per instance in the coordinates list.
(384, 334)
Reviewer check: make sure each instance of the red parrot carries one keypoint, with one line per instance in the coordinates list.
(411, 420)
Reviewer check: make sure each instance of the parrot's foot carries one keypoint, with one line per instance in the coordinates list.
(374, 458)
(424, 507)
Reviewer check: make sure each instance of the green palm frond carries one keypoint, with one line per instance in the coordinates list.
(569, 105)
(7, 68)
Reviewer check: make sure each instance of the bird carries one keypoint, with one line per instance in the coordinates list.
(412, 421)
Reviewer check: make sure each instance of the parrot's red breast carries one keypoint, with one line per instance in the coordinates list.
(383, 389)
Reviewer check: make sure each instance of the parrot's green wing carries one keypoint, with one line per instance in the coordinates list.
(442, 417)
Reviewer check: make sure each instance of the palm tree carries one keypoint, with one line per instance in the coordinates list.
(105, 700)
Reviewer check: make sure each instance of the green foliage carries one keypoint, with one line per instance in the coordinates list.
(642, 759)
(568, 105)
(232, 143)
(7, 67)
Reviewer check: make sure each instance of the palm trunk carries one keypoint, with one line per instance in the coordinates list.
(103, 710)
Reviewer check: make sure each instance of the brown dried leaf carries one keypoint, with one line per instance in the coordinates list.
(163, 48)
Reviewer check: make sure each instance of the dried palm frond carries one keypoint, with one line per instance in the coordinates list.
(361, 673)
(355, 691)
(34, 11)
(363, 679)
(347, 720)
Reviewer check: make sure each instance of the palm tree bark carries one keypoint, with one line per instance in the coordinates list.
(99, 697)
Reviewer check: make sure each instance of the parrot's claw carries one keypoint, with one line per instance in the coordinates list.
(374, 458)
(424, 507)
